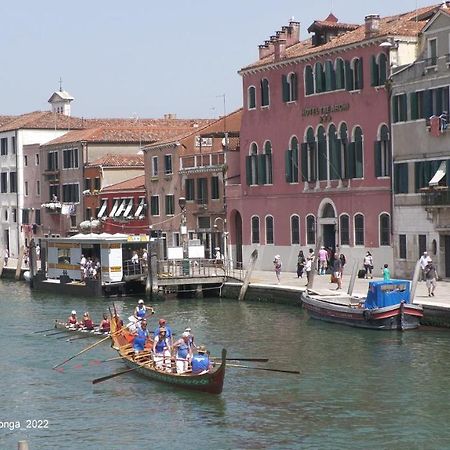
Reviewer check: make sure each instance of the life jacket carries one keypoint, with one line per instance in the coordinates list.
(161, 345)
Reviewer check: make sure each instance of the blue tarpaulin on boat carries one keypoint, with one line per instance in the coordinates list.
(387, 293)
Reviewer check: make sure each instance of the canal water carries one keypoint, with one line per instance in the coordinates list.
(357, 389)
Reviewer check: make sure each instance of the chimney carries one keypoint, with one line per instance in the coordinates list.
(279, 49)
(292, 33)
(372, 25)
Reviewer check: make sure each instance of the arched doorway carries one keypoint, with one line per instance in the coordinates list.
(328, 224)
(236, 236)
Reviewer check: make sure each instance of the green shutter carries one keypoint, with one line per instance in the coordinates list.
(395, 117)
(377, 158)
(304, 162)
(374, 73)
(322, 154)
(248, 170)
(382, 69)
(335, 159)
(295, 165)
(309, 80)
(360, 74)
(288, 165)
(284, 88)
(261, 163)
(428, 103)
(350, 161)
(348, 76)
(318, 74)
(403, 107)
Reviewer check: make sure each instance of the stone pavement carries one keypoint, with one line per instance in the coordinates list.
(322, 282)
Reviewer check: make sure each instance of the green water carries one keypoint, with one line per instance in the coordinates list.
(359, 389)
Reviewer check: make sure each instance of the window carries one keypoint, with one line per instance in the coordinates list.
(334, 149)
(292, 161)
(424, 171)
(170, 205)
(14, 215)
(310, 230)
(154, 166)
(13, 145)
(378, 70)
(251, 97)
(12, 182)
(26, 188)
(25, 216)
(330, 76)
(359, 229)
(4, 146)
(432, 52)
(382, 153)
(52, 161)
(322, 153)
(36, 160)
(401, 178)
(385, 229)
(289, 87)
(399, 108)
(5, 215)
(168, 164)
(354, 163)
(202, 191)
(309, 80)
(190, 189)
(154, 205)
(265, 94)
(4, 183)
(340, 73)
(71, 193)
(402, 246)
(37, 216)
(255, 230)
(252, 165)
(265, 170)
(344, 151)
(25, 160)
(204, 222)
(38, 187)
(354, 74)
(344, 229)
(53, 191)
(309, 157)
(269, 230)
(97, 185)
(87, 184)
(70, 158)
(295, 230)
(215, 195)
(319, 77)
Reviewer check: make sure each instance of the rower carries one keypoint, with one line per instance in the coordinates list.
(192, 346)
(163, 324)
(161, 350)
(72, 320)
(141, 311)
(87, 323)
(184, 352)
(105, 325)
(200, 362)
(140, 338)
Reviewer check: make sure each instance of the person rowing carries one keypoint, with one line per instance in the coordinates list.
(183, 353)
(105, 325)
(163, 324)
(140, 339)
(192, 345)
(200, 362)
(140, 312)
(72, 320)
(87, 323)
(162, 350)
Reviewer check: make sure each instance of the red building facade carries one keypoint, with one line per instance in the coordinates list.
(315, 140)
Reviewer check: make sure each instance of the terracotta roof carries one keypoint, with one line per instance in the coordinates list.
(6, 119)
(331, 22)
(136, 183)
(119, 160)
(405, 24)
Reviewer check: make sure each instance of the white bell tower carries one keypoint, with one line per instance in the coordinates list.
(60, 101)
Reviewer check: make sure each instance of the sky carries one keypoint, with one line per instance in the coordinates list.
(147, 58)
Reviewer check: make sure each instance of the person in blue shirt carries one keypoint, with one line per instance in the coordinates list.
(200, 362)
(162, 350)
(140, 338)
(162, 324)
(141, 311)
(184, 352)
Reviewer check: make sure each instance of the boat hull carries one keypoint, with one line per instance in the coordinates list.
(402, 316)
(59, 325)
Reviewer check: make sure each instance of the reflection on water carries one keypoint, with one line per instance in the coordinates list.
(358, 388)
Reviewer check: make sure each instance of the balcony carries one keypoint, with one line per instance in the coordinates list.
(51, 174)
(437, 197)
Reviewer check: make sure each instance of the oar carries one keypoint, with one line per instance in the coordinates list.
(108, 377)
(296, 372)
(54, 334)
(76, 338)
(43, 331)
(247, 359)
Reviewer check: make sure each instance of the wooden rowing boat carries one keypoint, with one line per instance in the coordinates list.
(211, 382)
(387, 306)
(60, 325)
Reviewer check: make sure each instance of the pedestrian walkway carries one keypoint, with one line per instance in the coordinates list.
(322, 282)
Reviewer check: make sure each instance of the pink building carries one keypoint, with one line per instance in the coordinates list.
(315, 143)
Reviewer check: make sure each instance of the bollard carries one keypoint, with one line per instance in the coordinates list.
(22, 445)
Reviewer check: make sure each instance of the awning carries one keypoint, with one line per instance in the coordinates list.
(121, 208)
(128, 208)
(102, 209)
(114, 208)
(440, 173)
(139, 208)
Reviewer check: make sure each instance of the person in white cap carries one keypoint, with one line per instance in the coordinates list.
(183, 352)
(191, 338)
(423, 264)
(277, 266)
(72, 320)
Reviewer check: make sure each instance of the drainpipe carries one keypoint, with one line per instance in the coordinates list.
(17, 193)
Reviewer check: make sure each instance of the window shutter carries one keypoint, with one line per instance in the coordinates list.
(374, 78)
(414, 105)
(382, 69)
(428, 101)
(348, 76)
(295, 165)
(262, 175)
(304, 162)
(377, 158)
(335, 159)
(294, 87)
(318, 73)
(403, 107)
(309, 80)
(284, 88)
(395, 117)
(360, 75)
(350, 161)
(248, 170)
(313, 161)
(288, 165)
(322, 154)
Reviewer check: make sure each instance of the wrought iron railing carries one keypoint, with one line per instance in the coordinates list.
(436, 197)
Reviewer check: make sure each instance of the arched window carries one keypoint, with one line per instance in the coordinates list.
(322, 153)
(310, 230)
(359, 173)
(265, 94)
(344, 229)
(309, 157)
(295, 229)
(266, 165)
(291, 159)
(255, 230)
(251, 97)
(382, 153)
(359, 229)
(330, 76)
(385, 229)
(309, 80)
(251, 165)
(357, 74)
(269, 230)
(289, 87)
(334, 149)
(378, 70)
(343, 137)
(319, 77)
(340, 74)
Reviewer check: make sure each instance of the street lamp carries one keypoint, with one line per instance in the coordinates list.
(183, 235)
(225, 237)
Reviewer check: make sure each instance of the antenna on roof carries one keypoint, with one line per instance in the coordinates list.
(60, 84)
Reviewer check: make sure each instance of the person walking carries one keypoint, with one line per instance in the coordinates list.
(323, 261)
(431, 277)
(277, 265)
(343, 261)
(423, 264)
(301, 260)
(368, 265)
(337, 272)
(309, 265)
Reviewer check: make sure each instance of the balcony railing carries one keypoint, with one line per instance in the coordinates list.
(439, 196)
(202, 160)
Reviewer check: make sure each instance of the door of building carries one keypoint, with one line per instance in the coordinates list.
(329, 236)
(447, 256)
(422, 244)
